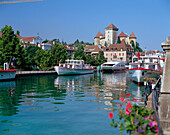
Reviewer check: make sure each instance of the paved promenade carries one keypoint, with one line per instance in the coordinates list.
(26, 73)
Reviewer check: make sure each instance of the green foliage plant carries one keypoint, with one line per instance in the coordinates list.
(135, 119)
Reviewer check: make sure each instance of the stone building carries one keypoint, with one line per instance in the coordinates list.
(110, 36)
(131, 40)
(119, 52)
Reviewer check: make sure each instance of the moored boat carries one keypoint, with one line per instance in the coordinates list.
(6, 73)
(113, 66)
(145, 66)
(73, 67)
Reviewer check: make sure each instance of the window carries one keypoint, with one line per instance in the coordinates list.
(122, 54)
(111, 54)
(106, 54)
(119, 54)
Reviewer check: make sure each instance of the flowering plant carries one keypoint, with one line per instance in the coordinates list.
(150, 80)
(134, 119)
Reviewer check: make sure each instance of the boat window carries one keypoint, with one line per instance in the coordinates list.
(134, 66)
(151, 66)
(151, 60)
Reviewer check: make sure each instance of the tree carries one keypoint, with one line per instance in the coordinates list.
(18, 33)
(30, 54)
(118, 40)
(137, 48)
(45, 41)
(11, 48)
(105, 44)
(80, 54)
(58, 53)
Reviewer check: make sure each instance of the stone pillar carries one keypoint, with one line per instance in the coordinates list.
(165, 86)
(164, 99)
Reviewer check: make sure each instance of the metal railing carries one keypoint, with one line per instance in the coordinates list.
(155, 100)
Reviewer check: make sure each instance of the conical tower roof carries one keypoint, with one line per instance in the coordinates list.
(111, 26)
(122, 34)
(132, 35)
(98, 35)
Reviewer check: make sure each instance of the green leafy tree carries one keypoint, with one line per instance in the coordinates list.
(118, 40)
(45, 41)
(80, 54)
(58, 53)
(10, 47)
(137, 48)
(18, 33)
(30, 56)
(105, 44)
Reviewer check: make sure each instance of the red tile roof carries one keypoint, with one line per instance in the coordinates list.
(28, 38)
(118, 47)
(122, 34)
(93, 48)
(0, 33)
(112, 27)
(98, 34)
(132, 35)
(19, 37)
(103, 36)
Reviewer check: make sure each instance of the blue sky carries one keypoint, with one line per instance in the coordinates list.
(69, 20)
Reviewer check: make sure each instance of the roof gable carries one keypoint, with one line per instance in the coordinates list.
(98, 34)
(132, 35)
(111, 26)
(122, 34)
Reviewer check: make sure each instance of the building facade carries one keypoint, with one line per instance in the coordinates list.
(119, 52)
(109, 37)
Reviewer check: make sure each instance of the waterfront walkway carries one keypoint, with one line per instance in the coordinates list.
(27, 73)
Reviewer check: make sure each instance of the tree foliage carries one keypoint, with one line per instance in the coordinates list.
(10, 47)
(118, 40)
(137, 48)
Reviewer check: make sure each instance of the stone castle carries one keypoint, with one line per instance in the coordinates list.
(111, 36)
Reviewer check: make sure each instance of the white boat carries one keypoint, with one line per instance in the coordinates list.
(6, 73)
(147, 66)
(73, 67)
(113, 66)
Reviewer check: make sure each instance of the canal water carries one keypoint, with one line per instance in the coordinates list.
(63, 105)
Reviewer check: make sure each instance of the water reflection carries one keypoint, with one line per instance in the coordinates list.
(42, 100)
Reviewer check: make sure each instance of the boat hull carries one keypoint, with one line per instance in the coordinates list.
(112, 69)
(137, 75)
(67, 71)
(7, 75)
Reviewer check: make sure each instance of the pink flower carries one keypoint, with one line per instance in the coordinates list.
(111, 115)
(128, 105)
(122, 99)
(128, 95)
(127, 111)
(151, 124)
(155, 123)
(157, 130)
(125, 100)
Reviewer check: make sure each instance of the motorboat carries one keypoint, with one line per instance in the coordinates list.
(74, 67)
(148, 65)
(113, 66)
(6, 73)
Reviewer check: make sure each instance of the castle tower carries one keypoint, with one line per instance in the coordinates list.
(124, 36)
(132, 37)
(97, 38)
(111, 34)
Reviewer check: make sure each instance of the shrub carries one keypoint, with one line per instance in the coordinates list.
(135, 119)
